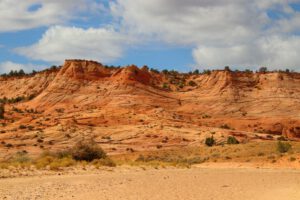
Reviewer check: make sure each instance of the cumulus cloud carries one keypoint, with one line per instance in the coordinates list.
(18, 15)
(59, 43)
(274, 52)
(187, 22)
(221, 32)
(7, 66)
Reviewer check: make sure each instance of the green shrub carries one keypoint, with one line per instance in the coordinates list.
(210, 141)
(166, 86)
(87, 151)
(104, 162)
(192, 83)
(225, 126)
(61, 163)
(22, 127)
(207, 71)
(232, 140)
(196, 71)
(21, 157)
(181, 85)
(205, 116)
(282, 138)
(2, 111)
(283, 147)
(263, 70)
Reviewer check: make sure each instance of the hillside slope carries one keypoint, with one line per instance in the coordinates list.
(132, 108)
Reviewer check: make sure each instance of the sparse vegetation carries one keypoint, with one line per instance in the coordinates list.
(232, 140)
(154, 70)
(225, 126)
(210, 141)
(167, 159)
(282, 138)
(196, 71)
(179, 157)
(81, 152)
(192, 83)
(166, 86)
(22, 127)
(292, 159)
(283, 147)
(207, 71)
(227, 68)
(205, 116)
(2, 111)
(87, 151)
(263, 69)
(17, 99)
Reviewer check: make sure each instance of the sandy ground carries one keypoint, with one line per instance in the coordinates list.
(196, 183)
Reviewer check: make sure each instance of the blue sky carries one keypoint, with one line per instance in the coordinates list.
(172, 34)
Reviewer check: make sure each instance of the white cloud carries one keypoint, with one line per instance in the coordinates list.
(16, 15)
(191, 21)
(60, 43)
(222, 32)
(7, 66)
(274, 52)
(219, 32)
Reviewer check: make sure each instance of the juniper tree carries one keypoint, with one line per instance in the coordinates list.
(1, 110)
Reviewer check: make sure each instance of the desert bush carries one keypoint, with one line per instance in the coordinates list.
(205, 116)
(17, 110)
(192, 83)
(261, 154)
(207, 71)
(63, 154)
(232, 140)
(166, 86)
(282, 138)
(283, 147)
(165, 71)
(170, 159)
(210, 141)
(227, 68)
(56, 164)
(20, 157)
(87, 151)
(154, 70)
(196, 71)
(22, 127)
(225, 126)
(9, 145)
(2, 111)
(292, 159)
(84, 152)
(104, 162)
(263, 69)
(40, 140)
(181, 85)
(44, 160)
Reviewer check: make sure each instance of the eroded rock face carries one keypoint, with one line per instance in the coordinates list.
(293, 131)
(135, 102)
(134, 74)
(83, 70)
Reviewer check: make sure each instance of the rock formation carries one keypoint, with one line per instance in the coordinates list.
(137, 107)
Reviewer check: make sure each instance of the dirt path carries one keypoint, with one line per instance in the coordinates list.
(204, 184)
